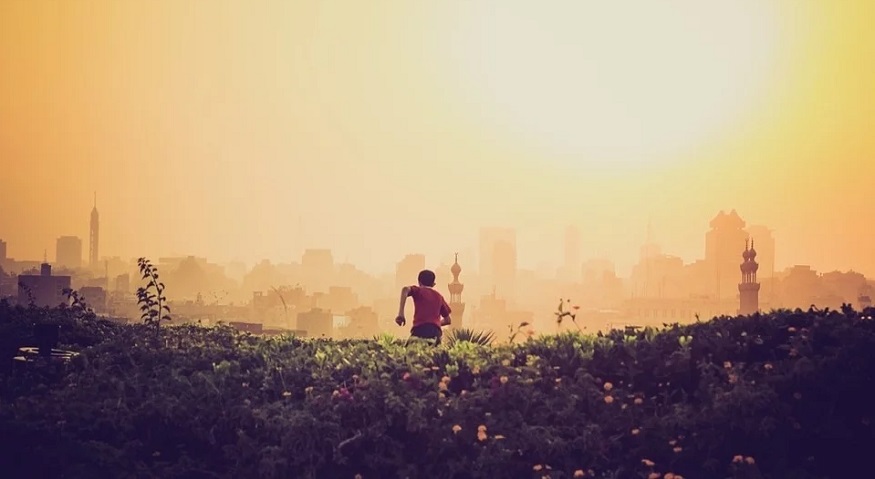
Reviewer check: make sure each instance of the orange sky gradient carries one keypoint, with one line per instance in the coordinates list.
(394, 127)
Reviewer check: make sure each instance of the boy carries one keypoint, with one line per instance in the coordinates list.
(430, 307)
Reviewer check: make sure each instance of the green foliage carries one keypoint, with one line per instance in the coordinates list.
(78, 306)
(150, 298)
(31, 300)
(783, 395)
(469, 335)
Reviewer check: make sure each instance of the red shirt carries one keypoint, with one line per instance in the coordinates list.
(429, 306)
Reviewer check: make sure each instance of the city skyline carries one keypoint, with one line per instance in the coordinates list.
(322, 288)
(559, 263)
(570, 267)
(250, 133)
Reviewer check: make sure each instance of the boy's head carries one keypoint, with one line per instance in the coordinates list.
(426, 278)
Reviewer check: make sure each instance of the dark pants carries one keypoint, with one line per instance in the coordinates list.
(427, 331)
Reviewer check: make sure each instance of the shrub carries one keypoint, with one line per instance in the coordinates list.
(783, 395)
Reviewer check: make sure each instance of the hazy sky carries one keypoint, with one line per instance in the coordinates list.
(212, 127)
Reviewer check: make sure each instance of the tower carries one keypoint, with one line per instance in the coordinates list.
(95, 236)
(749, 289)
(456, 304)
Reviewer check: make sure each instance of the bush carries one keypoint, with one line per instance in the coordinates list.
(783, 395)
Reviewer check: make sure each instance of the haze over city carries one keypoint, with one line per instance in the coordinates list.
(240, 133)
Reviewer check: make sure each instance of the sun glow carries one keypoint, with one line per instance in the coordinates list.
(613, 83)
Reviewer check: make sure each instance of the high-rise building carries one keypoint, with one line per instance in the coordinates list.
(721, 243)
(2, 252)
(317, 269)
(456, 305)
(408, 269)
(68, 252)
(749, 288)
(93, 251)
(489, 236)
(504, 269)
(498, 260)
(597, 269)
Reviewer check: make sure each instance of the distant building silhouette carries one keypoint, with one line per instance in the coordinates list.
(68, 252)
(93, 246)
(94, 297)
(727, 232)
(657, 275)
(317, 268)
(498, 260)
(317, 323)
(123, 283)
(571, 262)
(44, 289)
(495, 314)
(749, 288)
(2, 253)
(456, 288)
(650, 248)
(338, 298)
(408, 269)
(363, 323)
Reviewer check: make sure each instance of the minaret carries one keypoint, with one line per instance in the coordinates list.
(456, 304)
(749, 289)
(95, 235)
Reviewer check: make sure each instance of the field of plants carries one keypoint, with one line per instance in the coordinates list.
(782, 395)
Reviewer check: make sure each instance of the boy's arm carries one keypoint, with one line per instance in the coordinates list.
(445, 312)
(405, 292)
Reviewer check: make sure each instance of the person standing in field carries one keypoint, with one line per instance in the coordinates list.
(431, 310)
